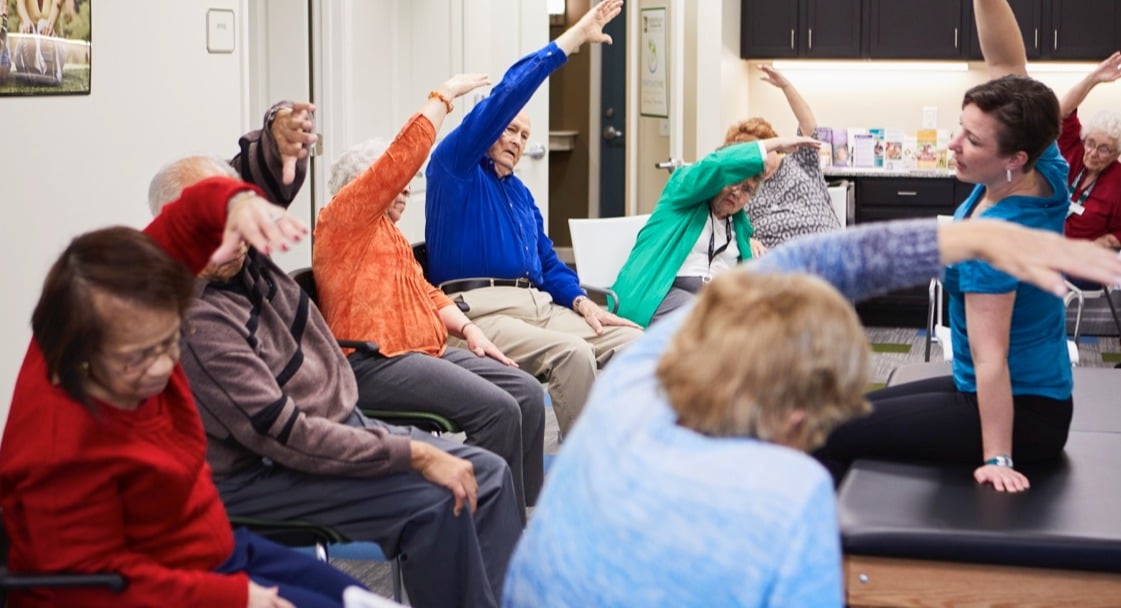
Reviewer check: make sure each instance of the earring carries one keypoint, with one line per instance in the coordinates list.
(1009, 175)
(84, 367)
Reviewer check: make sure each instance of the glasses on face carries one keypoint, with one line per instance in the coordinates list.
(139, 361)
(1100, 148)
(743, 188)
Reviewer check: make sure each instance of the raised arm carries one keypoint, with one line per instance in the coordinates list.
(274, 157)
(807, 124)
(590, 27)
(1001, 43)
(1107, 71)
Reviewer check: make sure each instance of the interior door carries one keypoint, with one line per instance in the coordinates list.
(613, 120)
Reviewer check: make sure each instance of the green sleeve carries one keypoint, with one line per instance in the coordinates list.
(697, 183)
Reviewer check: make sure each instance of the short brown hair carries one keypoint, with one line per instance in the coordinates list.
(758, 347)
(749, 130)
(1026, 110)
(118, 261)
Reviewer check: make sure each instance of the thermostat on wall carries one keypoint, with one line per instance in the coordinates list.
(220, 30)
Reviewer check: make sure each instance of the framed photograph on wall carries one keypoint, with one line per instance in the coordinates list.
(45, 47)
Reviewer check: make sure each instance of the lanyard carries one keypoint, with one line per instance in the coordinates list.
(1085, 193)
(712, 253)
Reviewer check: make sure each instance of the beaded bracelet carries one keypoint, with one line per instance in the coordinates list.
(440, 96)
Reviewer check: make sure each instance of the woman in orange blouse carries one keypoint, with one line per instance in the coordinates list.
(372, 289)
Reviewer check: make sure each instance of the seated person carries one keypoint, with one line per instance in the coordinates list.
(793, 198)
(286, 441)
(103, 463)
(1092, 149)
(685, 483)
(372, 289)
(481, 221)
(698, 230)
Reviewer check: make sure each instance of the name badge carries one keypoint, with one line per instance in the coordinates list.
(1076, 208)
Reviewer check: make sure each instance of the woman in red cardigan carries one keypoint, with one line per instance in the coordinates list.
(102, 466)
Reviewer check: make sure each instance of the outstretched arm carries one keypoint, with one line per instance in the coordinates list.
(806, 121)
(1001, 43)
(1107, 71)
(590, 27)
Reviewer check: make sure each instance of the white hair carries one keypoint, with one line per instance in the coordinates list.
(354, 162)
(173, 177)
(1106, 121)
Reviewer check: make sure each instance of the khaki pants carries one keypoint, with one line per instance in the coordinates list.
(547, 340)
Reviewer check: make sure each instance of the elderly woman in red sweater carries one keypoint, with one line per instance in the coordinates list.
(103, 461)
(371, 288)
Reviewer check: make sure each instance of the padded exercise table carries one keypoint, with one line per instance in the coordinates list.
(928, 535)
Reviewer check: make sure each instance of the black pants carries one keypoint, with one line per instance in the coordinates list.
(930, 420)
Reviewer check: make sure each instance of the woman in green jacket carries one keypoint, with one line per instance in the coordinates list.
(698, 229)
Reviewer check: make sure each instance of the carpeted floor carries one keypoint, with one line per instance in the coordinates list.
(890, 347)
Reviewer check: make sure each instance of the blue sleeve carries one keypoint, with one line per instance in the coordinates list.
(975, 276)
(810, 572)
(461, 150)
(558, 279)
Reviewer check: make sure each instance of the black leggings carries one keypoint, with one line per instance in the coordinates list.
(931, 420)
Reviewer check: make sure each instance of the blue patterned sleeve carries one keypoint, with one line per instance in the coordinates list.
(810, 571)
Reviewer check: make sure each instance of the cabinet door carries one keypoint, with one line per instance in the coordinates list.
(915, 29)
(831, 28)
(768, 29)
(1084, 29)
(1029, 15)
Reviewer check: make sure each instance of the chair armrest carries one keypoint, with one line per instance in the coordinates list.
(603, 296)
(426, 421)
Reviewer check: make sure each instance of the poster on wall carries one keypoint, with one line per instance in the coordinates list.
(654, 99)
(45, 47)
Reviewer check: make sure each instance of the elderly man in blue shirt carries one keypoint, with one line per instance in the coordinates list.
(482, 222)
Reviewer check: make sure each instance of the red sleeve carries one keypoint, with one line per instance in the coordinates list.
(191, 228)
(1070, 143)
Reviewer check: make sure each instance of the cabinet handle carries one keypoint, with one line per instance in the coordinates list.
(811, 44)
(1037, 38)
(792, 39)
(955, 37)
(1056, 41)
(906, 193)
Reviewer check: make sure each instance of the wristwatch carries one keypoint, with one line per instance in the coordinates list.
(1000, 460)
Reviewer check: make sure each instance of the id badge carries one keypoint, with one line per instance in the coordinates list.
(1076, 209)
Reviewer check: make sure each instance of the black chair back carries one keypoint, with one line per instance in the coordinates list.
(420, 253)
(305, 278)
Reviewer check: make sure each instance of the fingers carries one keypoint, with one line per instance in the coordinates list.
(231, 244)
(460, 494)
(288, 174)
(593, 321)
(472, 488)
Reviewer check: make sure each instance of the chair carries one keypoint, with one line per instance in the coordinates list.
(426, 421)
(601, 247)
(297, 533)
(1080, 294)
(56, 580)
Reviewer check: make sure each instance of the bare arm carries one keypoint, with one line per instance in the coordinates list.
(435, 109)
(1001, 44)
(590, 27)
(1107, 71)
(806, 121)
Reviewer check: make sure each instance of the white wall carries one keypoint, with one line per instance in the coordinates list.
(72, 164)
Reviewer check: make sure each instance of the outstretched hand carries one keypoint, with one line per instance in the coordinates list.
(461, 84)
(1036, 256)
(1003, 479)
(591, 24)
(774, 77)
(1108, 70)
(258, 222)
(294, 132)
(790, 144)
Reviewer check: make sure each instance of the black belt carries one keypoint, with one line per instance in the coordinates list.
(459, 285)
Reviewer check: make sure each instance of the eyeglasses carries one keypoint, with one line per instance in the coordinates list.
(142, 360)
(747, 188)
(1101, 149)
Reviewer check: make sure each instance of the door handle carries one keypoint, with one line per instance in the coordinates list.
(536, 150)
(670, 165)
(611, 133)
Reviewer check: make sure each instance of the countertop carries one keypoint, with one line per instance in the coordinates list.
(869, 172)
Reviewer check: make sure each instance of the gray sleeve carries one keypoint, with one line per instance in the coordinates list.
(863, 261)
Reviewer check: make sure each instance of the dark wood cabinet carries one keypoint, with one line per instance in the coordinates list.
(800, 28)
(1083, 29)
(1029, 15)
(915, 29)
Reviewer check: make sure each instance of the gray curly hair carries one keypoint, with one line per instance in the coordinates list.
(354, 162)
(1105, 121)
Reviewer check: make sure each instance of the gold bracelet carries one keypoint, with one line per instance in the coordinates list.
(440, 96)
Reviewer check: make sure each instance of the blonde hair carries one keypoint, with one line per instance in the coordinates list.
(759, 347)
(749, 130)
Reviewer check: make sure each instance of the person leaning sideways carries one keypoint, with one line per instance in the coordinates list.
(1010, 393)
(1092, 150)
(372, 289)
(286, 441)
(698, 230)
(793, 198)
(481, 221)
(693, 438)
(103, 464)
